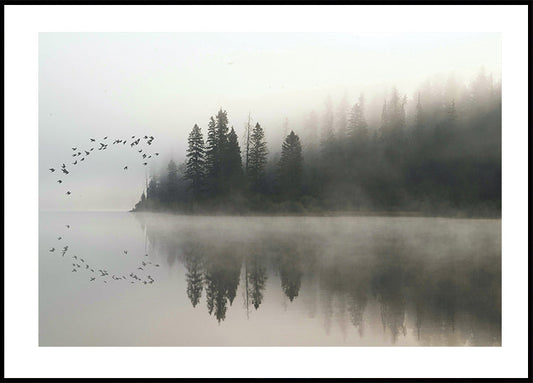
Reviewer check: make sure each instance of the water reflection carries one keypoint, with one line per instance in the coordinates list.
(444, 292)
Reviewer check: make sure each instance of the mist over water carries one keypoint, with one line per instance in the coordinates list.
(278, 184)
(270, 281)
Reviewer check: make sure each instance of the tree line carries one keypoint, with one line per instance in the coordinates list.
(443, 157)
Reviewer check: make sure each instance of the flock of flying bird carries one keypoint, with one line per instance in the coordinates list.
(80, 265)
(81, 154)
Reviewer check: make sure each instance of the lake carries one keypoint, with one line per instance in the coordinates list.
(147, 279)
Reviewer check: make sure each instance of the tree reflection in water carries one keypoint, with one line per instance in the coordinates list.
(256, 277)
(445, 293)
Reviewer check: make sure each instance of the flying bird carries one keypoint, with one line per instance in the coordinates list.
(52, 170)
(59, 238)
(92, 278)
(92, 140)
(75, 162)
(68, 193)
(82, 158)
(59, 181)
(65, 171)
(52, 249)
(140, 150)
(125, 251)
(87, 153)
(156, 154)
(145, 163)
(74, 148)
(68, 226)
(125, 168)
(63, 166)
(105, 138)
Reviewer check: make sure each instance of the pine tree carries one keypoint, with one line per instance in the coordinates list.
(211, 169)
(247, 133)
(357, 127)
(195, 171)
(221, 128)
(232, 163)
(152, 191)
(172, 181)
(257, 158)
(217, 141)
(290, 166)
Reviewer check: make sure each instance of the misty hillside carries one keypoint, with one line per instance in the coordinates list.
(438, 152)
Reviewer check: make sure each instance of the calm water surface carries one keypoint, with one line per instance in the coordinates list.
(169, 280)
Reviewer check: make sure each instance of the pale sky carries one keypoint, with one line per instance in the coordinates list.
(161, 84)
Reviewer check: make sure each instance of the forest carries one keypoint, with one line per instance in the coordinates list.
(437, 154)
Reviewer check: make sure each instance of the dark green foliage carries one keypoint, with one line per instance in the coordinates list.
(255, 280)
(195, 171)
(257, 159)
(222, 280)
(443, 157)
(153, 189)
(290, 167)
(211, 165)
(232, 163)
(195, 280)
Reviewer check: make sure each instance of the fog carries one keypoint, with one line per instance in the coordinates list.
(161, 84)
(168, 280)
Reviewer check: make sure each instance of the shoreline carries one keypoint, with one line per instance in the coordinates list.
(384, 214)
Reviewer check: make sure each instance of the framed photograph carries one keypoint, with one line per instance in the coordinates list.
(338, 191)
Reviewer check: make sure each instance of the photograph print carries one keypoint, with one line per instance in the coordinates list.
(270, 189)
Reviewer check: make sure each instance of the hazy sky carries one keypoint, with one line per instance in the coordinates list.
(161, 84)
